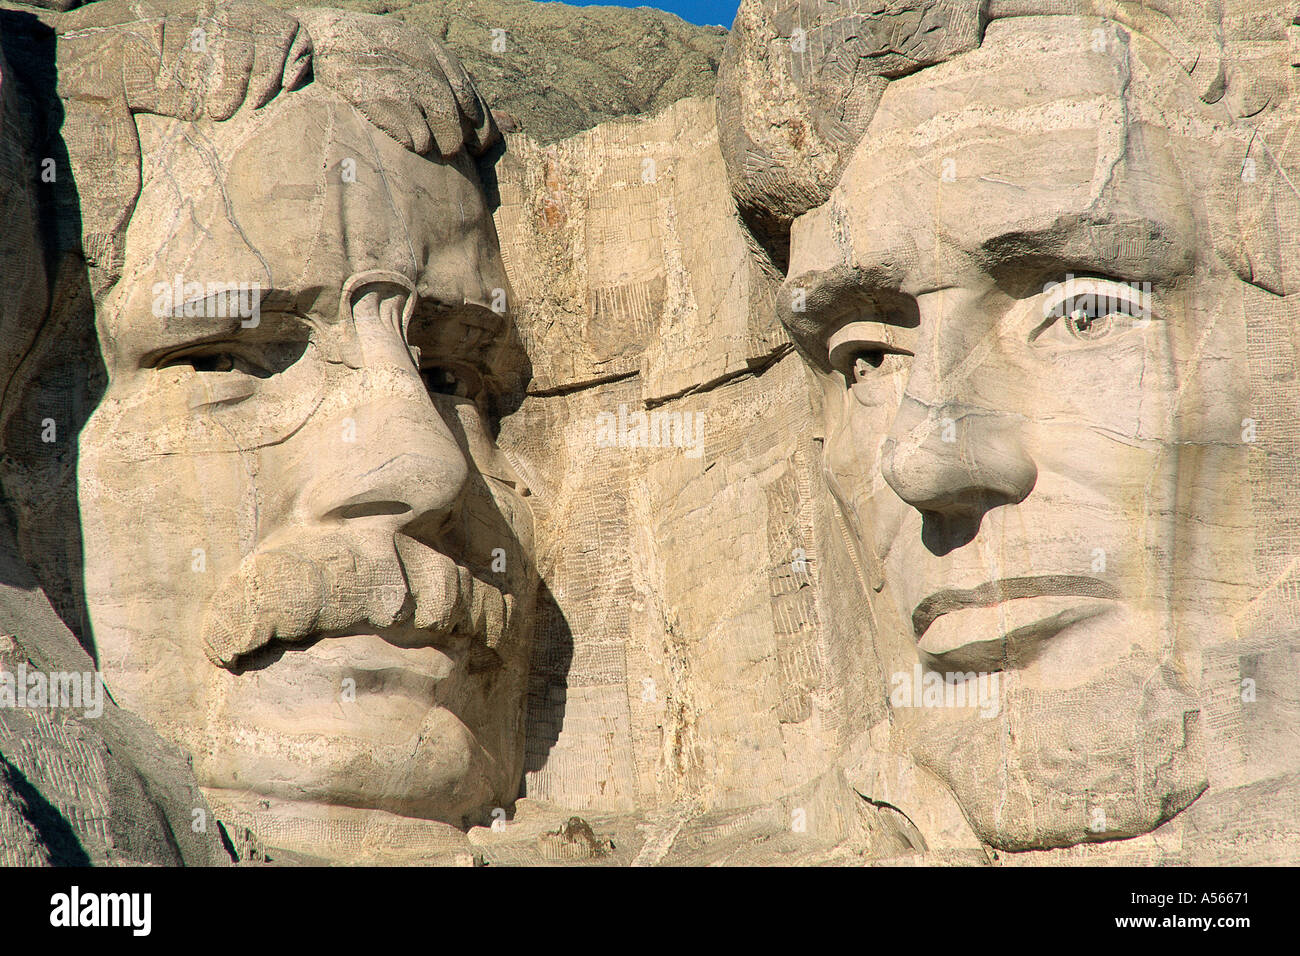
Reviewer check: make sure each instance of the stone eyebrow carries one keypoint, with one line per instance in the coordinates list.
(828, 293)
(812, 304)
(1140, 248)
(181, 333)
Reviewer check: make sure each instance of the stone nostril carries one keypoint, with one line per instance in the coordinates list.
(390, 491)
(941, 533)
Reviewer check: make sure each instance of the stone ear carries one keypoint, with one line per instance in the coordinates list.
(1251, 203)
(1268, 208)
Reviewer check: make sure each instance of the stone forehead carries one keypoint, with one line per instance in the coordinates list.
(296, 198)
(980, 161)
(1048, 81)
(246, 200)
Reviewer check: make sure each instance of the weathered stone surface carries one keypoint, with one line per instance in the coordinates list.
(551, 70)
(635, 278)
(1058, 409)
(92, 784)
(916, 363)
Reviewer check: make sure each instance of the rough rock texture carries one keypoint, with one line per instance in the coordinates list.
(557, 70)
(92, 784)
(902, 448)
(636, 281)
(89, 786)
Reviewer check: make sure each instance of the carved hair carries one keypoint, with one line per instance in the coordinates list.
(199, 59)
(801, 79)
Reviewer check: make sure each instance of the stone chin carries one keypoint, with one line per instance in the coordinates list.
(1113, 760)
(404, 719)
(438, 771)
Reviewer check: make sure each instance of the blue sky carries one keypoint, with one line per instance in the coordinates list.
(721, 12)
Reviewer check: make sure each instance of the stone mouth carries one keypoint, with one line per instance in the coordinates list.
(1003, 590)
(483, 618)
(1006, 635)
(405, 592)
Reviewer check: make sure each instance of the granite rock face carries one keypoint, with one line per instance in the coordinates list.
(86, 783)
(552, 70)
(888, 461)
(1048, 425)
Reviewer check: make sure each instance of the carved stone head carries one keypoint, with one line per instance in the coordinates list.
(1033, 296)
(306, 560)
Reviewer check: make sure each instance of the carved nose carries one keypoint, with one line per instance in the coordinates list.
(956, 461)
(394, 462)
(398, 465)
(402, 490)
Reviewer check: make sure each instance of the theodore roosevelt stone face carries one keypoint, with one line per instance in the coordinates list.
(1032, 374)
(306, 560)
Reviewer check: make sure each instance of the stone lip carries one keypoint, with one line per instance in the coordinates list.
(929, 609)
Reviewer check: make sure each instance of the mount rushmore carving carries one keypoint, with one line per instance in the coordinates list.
(889, 458)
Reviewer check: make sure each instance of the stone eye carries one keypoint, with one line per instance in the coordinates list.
(258, 359)
(1087, 310)
(864, 362)
(872, 357)
(866, 350)
(220, 362)
(440, 380)
(206, 361)
(872, 361)
(1087, 327)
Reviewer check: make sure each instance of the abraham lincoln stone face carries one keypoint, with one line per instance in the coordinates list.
(1033, 376)
(306, 560)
